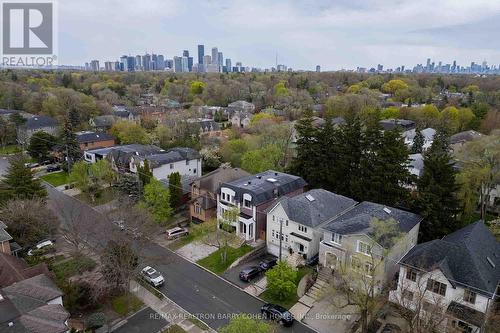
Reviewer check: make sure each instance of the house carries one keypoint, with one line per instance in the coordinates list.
(241, 106)
(416, 165)
(122, 112)
(252, 195)
(299, 220)
(185, 161)
(93, 140)
(458, 274)
(348, 239)
(13, 269)
(427, 133)
(94, 155)
(203, 206)
(102, 123)
(241, 119)
(36, 124)
(459, 139)
(206, 127)
(33, 305)
(391, 124)
(5, 239)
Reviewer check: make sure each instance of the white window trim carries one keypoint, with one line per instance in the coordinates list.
(333, 238)
(358, 248)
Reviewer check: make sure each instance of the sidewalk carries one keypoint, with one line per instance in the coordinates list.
(168, 310)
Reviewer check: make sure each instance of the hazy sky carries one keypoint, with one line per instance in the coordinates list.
(334, 34)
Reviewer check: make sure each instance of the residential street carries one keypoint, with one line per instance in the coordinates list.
(196, 290)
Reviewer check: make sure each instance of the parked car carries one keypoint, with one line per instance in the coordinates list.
(176, 232)
(31, 165)
(119, 224)
(267, 264)
(277, 313)
(250, 273)
(53, 167)
(152, 276)
(41, 246)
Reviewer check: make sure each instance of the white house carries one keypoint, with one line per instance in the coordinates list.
(299, 219)
(241, 119)
(428, 134)
(458, 275)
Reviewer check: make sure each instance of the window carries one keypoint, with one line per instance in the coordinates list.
(187, 162)
(436, 287)
(286, 223)
(368, 269)
(302, 228)
(356, 264)
(197, 209)
(274, 218)
(364, 248)
(223, 196)
(272, 233)
(286, 238)
(411, 274)
(469, 296)
(194, 171)
(247, 203)
(337, 238)
(171, 165)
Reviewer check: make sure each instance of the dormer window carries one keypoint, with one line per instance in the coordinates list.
(337, 238)
(469, 296)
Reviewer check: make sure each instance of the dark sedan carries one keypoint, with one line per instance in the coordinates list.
(250, 273)
(277, 313)
(267, 264)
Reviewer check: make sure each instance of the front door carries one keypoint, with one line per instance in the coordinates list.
(301, 248)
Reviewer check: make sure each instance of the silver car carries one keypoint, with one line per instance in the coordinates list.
(152, 276)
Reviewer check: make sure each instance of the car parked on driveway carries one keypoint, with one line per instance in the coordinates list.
(177, 232)
(53, 167)
(267, 264)
(152, 276)
(43, 245)
(277, 313)
(250, 273)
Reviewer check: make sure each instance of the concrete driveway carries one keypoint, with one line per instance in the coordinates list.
(233, 274)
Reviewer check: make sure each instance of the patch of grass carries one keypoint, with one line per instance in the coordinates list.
(10, 149)
(174, 329)
(198, 323)
(178, 243)
(214, 261)
(126, 304)
(56, 178)
(105, 196)
(72, 267)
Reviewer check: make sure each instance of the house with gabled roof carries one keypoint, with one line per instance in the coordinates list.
(460, 273)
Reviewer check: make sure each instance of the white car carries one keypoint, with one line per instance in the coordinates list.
(177, 232)
(152, 276)
(40, 246)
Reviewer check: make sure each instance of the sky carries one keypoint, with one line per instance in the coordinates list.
(336, 34)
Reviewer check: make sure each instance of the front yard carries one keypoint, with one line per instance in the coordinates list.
(214, 261)
(125, 304)
(289, 302)
(56, 179)
(10, 149)
(107, 195)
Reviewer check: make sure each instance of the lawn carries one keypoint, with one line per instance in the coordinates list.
(10, 149)
(214, 263)
(174, 329)
(71, 267)
(126, 304)
(56, 178)
(178, 243)
(289, 302)
(106, 196)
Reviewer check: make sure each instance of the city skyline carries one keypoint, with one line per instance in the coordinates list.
(333, 34)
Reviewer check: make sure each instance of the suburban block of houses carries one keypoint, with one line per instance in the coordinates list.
(203, 206)
(299, 220)
(458, 275)
(252, 195)
(349, 239)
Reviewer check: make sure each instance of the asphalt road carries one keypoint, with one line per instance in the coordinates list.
(199, 292)
(146, 320)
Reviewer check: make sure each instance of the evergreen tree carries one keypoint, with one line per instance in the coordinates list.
(436, 200)
(175, 189)
(74, 117)
(70, 147)
(41, 144)
(19, 182)
(418, 142)
(145, 173)
(130, 185)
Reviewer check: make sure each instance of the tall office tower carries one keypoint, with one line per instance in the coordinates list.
(130, 64)
(154, 59)
(177, 64)
(428, 66)
(117, 66)
(169, 63)
(185, 53)
(146, 62)
(207, 60)
(403, 68)
(228, 65)
(220, 59)
(215, 56)
(201, 53)
(380, 67)
(123, 63)
(318, 68)
(94, 65)
(87, 66)
(108, 66)
(184, 64)
(190, 64)
(160, 62)
(138, 63)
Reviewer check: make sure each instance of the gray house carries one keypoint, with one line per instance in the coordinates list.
(36, 124)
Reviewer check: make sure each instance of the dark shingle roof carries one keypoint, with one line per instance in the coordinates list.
(32, 293)
(104, 121)
(390, 124)
(315, 207)
(464, 136)
(89, 136)
(13, 269)
(358, 220)
(171, 156)
(211, 181)
(266, 186)
(468, 257)
(37, 122)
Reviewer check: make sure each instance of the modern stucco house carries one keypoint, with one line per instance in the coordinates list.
(458, 275)
(300, 219)
(251, 196)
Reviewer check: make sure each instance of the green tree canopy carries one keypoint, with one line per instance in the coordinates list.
(281, 281)
(19, 182)
(157, 201)
(40, 146)
(246, 324)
